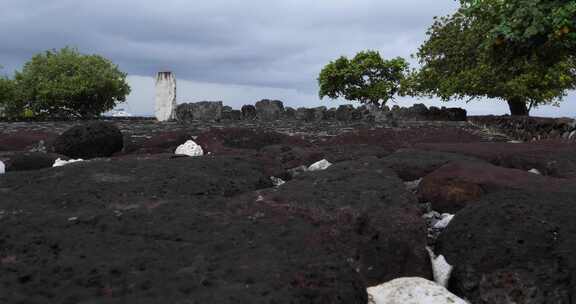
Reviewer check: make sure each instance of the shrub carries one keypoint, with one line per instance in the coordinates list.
(67, 84)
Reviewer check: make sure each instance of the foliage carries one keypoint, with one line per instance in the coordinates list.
(7, 95)
(473, 54)
(66, 83)
(366, 78)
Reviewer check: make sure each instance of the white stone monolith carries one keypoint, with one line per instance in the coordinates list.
(165, 96)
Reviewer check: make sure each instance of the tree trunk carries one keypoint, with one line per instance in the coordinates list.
(518, 107)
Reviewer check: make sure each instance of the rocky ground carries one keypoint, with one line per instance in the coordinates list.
(138, 224)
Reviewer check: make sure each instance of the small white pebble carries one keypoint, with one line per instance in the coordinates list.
(2, 168)
(59, 162)
(276, 181)
(72, 219)
(443, 223)
(535, 171)
(320, 165)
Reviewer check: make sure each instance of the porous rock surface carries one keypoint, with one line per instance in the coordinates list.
(514, 247)
(91, 140)
(148, 226)
(364, 212)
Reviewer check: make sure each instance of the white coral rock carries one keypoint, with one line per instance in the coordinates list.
(320, 165)
(440, 268)
(444, 222)
(276, 181)
(411, 291)
(2, 168)
(535, 171)
(189, 148)
(59, 162)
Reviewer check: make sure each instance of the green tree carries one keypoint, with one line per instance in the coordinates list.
(484, 50)
(366, 78)
(65, 83)
(7, 95)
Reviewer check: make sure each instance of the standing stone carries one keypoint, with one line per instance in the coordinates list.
(165, 96)
(269, 110)
(248, 112)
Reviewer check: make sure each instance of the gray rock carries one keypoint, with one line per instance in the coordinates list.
(269, 110)
(199, 111)
(344, 113)
(248, 112)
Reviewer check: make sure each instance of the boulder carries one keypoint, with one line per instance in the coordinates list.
(513, 247)
(269, 110)
(31, 161)
(412, 164)
(319, 113)
(90, 140)
(199, 111)
(344, 113)
(248, 112)
(161, 231)
(366, 214)
(455, 185)
(412, 291)
(553, 158)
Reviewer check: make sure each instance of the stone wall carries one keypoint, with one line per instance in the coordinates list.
(274, 110)
(528, 128)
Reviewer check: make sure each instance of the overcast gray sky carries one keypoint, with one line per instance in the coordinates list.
(231, 50)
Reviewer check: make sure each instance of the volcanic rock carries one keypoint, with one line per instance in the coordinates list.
(199, 111)
(248, 112)
(160, 231)
(514, 247)
(456, 184)
(31, 161)
(411, 164)
(95, 139)
(365, 213)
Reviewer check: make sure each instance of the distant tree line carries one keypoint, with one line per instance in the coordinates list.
(520, 51)
(62, 84)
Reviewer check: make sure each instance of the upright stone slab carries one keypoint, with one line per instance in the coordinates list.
(269, 110)
(165, 96)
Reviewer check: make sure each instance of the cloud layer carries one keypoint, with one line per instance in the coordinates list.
(219, 45)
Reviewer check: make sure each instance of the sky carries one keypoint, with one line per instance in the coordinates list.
(233, 51)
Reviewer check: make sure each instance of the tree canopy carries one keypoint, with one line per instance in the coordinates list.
(366, 78)
(501, 49)
(65, 83)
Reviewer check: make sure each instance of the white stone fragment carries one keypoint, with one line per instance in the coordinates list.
(165, 108)
(189, 148)
(2, 168)
(276, 181)
(535, 171)
(440, 268)
(320, 165)
(412, 185)
(443, 223)
(411, 291)
(59, 162)
(572, 134)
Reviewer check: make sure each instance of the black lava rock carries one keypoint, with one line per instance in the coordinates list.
(95, 139)
(514, 247)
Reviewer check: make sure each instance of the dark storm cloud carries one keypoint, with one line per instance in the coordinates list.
(280, 43)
